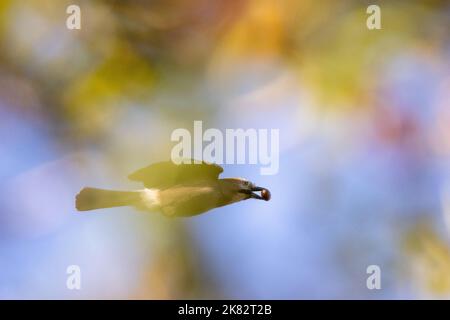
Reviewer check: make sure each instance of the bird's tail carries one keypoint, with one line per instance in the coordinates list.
(93, 198)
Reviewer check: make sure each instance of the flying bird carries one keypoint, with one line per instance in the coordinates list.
(175, 190)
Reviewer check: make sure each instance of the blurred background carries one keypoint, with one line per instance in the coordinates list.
(364, 119)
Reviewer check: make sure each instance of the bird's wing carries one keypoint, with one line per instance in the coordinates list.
(162, 175)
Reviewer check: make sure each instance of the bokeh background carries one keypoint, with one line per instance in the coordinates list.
(364, 119)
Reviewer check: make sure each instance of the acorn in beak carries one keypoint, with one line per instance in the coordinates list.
(265, 193)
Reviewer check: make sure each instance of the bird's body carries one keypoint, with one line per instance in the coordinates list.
(174, 190)
(189, 200)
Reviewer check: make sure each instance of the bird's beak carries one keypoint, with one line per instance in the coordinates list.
(250, 192)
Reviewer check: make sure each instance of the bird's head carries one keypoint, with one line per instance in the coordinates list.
(242, 189)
